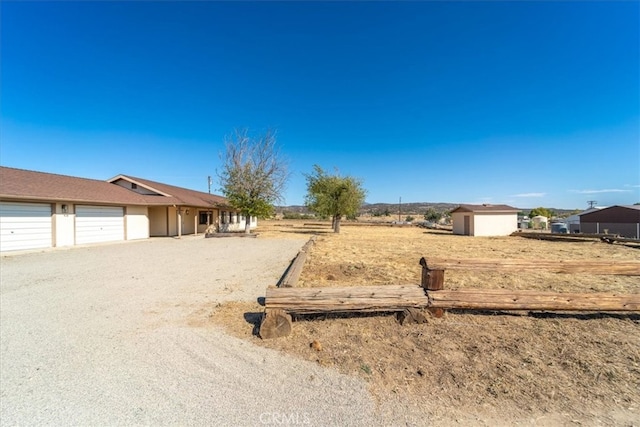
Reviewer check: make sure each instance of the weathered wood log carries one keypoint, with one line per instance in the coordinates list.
(398, 298)
(504, 299)
(432, 280)
(579, 237)
(275, 324)
(618, 267)
(292, 275)
(346, 299)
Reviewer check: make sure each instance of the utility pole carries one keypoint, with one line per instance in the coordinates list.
(209, 179)
(592, 203)
(400, 209)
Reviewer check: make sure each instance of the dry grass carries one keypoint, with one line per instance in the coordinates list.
(507, 366)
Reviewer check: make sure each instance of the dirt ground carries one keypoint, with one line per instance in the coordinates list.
(516, 367)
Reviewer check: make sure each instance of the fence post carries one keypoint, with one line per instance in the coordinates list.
(432, 280)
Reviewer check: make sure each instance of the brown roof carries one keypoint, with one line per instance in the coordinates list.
(30, 185)
(174, 195)
(485, 208)
(617, 214)
(20, 184)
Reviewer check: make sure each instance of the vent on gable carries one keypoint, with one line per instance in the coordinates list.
(134, 186)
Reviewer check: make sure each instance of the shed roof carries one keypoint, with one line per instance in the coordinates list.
(486, 208)
(21, 184)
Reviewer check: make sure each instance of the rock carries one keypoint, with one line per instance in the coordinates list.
(411, 315)
(316, 345)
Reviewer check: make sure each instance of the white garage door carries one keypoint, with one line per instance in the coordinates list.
(99, 224)
(25, 226)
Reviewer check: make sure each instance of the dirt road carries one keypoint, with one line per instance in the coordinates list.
(108, 335)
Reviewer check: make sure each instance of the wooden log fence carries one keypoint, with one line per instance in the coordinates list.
(505, 299)
(346, 299)
(280, 303)
(577, 237)
(292, 275)
(622, 267)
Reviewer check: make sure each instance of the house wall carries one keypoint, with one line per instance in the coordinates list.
(233, 221)
(494, 224)
(189, 218)
(458, 222)
(64, 225)
(129, 186)
(214, 219)
(136, 222)
(158, 222)
(172, 221)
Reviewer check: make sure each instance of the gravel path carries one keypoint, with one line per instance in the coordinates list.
(100, 336)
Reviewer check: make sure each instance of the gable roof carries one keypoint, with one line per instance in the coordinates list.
(486, 208)
(633, 207)
(172, 194)
(20, 184)
(23, 184)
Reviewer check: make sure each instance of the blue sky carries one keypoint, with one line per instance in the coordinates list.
(524, 103)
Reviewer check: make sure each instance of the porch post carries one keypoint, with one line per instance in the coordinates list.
(179, 210)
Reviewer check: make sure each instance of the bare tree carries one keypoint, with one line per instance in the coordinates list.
(253, 174)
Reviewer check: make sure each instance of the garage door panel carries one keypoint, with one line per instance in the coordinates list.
(25, 226)
(95, 224)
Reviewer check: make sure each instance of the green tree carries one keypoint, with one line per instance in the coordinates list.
(541, 211)
(432, 215)
(253, 174)
(333, 195)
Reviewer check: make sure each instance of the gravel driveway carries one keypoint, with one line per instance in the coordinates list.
(99, 336)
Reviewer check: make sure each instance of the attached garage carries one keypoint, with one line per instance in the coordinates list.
(25, 226)
(96, 224)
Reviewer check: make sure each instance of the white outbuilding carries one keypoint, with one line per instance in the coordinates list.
(484, 220)
(540, 222)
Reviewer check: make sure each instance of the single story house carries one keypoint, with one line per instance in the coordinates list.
(484, 220)
(43, 210)
(623, 220)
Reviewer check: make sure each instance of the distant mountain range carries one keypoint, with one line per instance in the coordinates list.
(418, 208)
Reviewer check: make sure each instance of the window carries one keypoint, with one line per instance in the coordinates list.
(232, 217)
(134, 186)
(224, 217)
(203, 218)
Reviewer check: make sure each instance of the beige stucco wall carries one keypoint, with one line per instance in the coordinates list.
(493, 224)
(214, 219)
(140, 190)
(188, 216)
(136, 222)
(485, 224)
(458, 222)
(158, 221)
